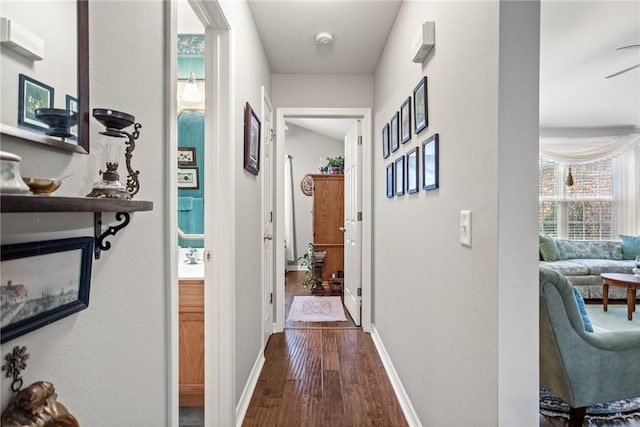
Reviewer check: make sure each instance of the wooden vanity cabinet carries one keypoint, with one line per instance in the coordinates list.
(328, 219)
(191, 343)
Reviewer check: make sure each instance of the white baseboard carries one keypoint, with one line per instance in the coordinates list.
(249, 387)
(398, 388)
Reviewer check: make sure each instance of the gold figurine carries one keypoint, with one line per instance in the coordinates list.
(36, 406)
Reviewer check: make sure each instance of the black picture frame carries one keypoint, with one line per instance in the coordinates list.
(251, 140)
(187, 156)
(188, 178)
(399, 175)
(421, 114)
(390, 181)
(32, 95)
(405, 121)
(430, 163)
(394, 132)
(385, 141)
(413, 177)
(71, 104)
(43, 282)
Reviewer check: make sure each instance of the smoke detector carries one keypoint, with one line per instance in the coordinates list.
(324, 38)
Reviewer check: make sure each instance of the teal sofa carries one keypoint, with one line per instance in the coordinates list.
(582, 368)
(582, 262)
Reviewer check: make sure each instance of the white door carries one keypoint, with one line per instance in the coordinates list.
(353, 221)
(266, 170)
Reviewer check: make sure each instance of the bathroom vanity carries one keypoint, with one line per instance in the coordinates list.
(191, 342)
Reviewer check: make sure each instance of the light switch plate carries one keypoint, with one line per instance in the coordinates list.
(465, 228)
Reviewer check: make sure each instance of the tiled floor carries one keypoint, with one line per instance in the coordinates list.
(191, 417)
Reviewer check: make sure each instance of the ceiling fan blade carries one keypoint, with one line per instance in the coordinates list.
(623, 71)
(627, 47)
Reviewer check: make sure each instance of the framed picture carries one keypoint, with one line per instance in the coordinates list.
(412, 171)
(405, 121)
(390, 181)
(399, 175)
(385, 141)
(394, 136)
(420, 105)
(71, 104)
(430, 161)
(188, 178)
(251, 141)
(32, 95)
(186, 155)
(43, 282)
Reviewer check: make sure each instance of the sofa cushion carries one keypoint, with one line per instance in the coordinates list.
(586, 322)
(598, 266)
(630, 246)
(615, 248)
(579, 249)
(566, 268)
(548, 249)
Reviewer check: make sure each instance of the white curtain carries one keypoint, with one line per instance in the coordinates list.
(289, 229)
(625, 150)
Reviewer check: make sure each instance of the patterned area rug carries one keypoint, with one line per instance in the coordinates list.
(316, 309)
(552, 406)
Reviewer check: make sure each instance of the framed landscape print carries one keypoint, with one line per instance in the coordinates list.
(399, 175)
(188, 178)
(390, 186)
(385, 141)
(405, 121)
(420, 105)
(251, 141)
(430, 162)
(186, 155)
(43, 282)
(32, 95)
(394, 132)
(412, 171)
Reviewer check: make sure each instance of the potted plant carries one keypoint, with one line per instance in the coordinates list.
(336, 164)
(309, 260)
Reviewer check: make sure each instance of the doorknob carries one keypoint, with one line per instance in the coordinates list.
(267, 237)
(342, 229)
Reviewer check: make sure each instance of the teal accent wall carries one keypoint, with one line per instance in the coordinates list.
(191, 201)
(190, 56)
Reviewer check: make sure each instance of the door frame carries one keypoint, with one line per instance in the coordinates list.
(363, 114)
(219, 225)
(267, 133)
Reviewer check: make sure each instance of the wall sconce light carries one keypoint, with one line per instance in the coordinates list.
(191, 92)
(110, 185)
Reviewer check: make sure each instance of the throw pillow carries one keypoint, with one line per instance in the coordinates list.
(549, 249)
(588, 327)
(630, 246)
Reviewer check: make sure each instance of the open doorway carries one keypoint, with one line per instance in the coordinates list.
(315, 136)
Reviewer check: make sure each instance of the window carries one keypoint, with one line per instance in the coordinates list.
(583, 211)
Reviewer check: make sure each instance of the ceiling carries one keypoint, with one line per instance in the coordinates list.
(577, 42)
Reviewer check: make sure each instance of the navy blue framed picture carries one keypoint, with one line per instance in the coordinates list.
(430, 163)
(399, 176)
(405, 121)
(385, 141)
(421, 120)
(390, 181)
(394, 136)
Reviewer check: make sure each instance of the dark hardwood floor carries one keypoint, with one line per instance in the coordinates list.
(293, 287)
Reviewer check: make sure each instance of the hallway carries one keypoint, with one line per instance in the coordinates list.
(323, 377)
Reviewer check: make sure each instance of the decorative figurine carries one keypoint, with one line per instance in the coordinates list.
(36, 406)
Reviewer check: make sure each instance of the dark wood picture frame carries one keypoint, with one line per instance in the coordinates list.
(251, 140)
(394, 132)
(43, 282)
(390, 181)
(187, 156)
(399, 176)
(413, 177)
(32, 95)
(421, 114)
(430, 163)
(188, 178)
(385, 141)
(405, 121)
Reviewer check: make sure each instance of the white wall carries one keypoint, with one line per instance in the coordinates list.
(307, 148)
(109, 362)
(251, 71)
(437, 310)
(322, 90)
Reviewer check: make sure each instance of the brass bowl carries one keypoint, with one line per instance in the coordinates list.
(42, 186)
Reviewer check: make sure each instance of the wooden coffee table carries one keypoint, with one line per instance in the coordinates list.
(629, 282)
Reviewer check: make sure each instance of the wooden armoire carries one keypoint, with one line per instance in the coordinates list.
(328, 221)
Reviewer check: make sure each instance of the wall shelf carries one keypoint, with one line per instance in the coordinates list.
(10, 203)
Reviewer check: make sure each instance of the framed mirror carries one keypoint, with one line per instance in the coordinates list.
(63, 29)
